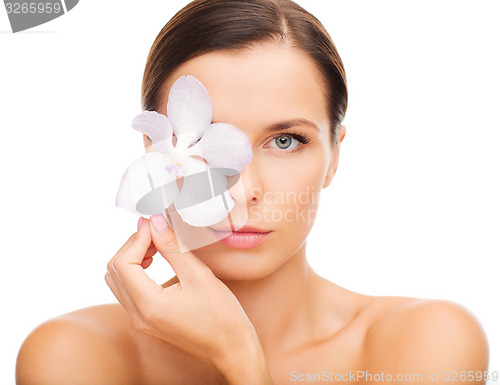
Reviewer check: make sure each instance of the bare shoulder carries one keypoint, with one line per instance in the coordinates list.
(412, 335)
(87, 346)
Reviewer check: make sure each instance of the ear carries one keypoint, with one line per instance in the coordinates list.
(334, 158)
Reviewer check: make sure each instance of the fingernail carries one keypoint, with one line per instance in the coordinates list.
(139, 223)
(159, 222)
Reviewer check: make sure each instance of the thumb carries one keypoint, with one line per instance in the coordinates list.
(186, 265)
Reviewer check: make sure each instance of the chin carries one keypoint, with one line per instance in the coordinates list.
(240, 265)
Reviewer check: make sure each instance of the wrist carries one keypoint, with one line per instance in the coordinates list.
(244, 364)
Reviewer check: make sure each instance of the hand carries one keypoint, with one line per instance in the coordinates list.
(198, 314)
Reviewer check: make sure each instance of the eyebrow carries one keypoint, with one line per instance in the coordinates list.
(290, 123)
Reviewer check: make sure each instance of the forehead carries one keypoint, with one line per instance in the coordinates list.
(257, 86)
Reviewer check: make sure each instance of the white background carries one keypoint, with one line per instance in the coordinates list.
(413, 210)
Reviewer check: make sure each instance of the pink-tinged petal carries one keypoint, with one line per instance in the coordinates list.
(203, 199)
(224, 146)
(157, 127)
(146, 188)
(189, 108)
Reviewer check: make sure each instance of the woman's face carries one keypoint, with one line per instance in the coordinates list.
(255, 90)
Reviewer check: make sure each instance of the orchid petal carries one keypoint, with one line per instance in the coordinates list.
(203, 199)
(146, 188)
(189, 108)
(157, 127)
(224, 146)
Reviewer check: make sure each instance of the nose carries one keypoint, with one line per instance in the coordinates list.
(248, 189)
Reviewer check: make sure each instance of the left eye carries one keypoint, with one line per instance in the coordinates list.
(284, 142)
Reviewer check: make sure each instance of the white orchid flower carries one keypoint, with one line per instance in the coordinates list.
(149, 185)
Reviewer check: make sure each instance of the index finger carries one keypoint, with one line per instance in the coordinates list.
(127, 266)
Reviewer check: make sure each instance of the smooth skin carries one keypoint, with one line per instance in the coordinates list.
(257, 316)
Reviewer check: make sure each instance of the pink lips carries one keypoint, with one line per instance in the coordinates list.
(245, 238)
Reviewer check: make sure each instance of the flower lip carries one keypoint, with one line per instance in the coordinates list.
(244, 229)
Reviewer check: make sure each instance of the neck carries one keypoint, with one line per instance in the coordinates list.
(282, 305)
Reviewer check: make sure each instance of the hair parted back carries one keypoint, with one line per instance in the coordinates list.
(205, 26)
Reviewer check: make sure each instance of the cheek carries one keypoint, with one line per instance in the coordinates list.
(296, 173)
(292, 187)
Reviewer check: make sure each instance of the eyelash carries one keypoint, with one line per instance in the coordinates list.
(299, 137)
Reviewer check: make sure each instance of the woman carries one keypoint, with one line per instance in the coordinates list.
(253, 315)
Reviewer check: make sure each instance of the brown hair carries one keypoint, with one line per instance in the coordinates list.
(205, 26)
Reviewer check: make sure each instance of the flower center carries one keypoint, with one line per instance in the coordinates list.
(176, 164)
(177, 158)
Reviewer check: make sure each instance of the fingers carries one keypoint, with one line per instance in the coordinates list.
(126, 276)
(127, 265)
(135, 248)
(112, 286)
(148, 258)
(137, 293)
(187, 266)
(146, 262)
(121, 295)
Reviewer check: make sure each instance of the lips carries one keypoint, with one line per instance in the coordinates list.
(244, 229)
(248, 237)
